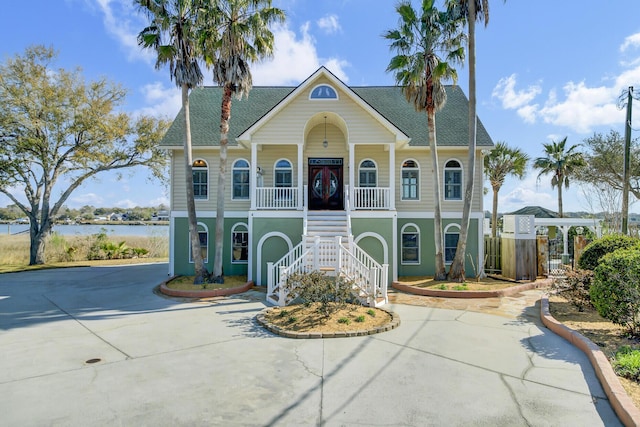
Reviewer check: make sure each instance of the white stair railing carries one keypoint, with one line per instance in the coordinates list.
(369, 277)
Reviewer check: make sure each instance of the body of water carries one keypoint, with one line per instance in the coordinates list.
(86, 230)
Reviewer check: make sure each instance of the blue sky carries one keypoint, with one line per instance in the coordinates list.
(545, 70)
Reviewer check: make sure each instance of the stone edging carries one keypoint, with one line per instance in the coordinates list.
(622, 404)
(394, 323)
(205, 293)
(465, 294)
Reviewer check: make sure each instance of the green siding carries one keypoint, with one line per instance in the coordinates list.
(427, 247)
(183, 267)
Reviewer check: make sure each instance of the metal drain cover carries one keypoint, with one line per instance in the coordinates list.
(92, 361)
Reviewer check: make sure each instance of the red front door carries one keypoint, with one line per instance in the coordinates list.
(325, 184)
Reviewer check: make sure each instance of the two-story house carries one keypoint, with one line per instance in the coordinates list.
(325, 176)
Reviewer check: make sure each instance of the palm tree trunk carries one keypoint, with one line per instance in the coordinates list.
(457, 271)
(201, 272)
(440, 271)
(225, 116)
(494, 214)
(560, 212)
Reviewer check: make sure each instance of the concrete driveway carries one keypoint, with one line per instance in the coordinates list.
(163, 362)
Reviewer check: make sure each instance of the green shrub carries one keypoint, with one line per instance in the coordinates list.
(371, 312)
(595, 250)
(615, 291)
(627, 363)
(344, 320)
(575, 287)
(332, 293)
(360, 318)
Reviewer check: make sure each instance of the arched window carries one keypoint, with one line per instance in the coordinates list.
(410, 180)
(203, 237)
(368, 174)
(410, 250)
(283, 173)
(323, 91)
(240, 180)
(240, 243)
(451, 236)
(452, 180)
(200, 179)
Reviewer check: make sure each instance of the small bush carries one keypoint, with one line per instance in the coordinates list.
(371, 312)
(627, 363)
(595, 250)
(360, 319)
(344, 320)
(332, 293)
(615, 291)
(575, 287)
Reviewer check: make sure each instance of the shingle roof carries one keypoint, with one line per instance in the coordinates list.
(451, 121)
(537, 211)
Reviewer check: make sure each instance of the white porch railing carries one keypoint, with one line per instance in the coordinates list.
(277, 198)
(371, 198)
(369, 277)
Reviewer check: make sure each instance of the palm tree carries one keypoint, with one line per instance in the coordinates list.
(423, 44)
(560, 162)
(471, 11)
(173, 33)
(498, 164)
(236, 33)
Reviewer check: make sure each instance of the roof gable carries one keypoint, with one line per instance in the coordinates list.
(386, 104)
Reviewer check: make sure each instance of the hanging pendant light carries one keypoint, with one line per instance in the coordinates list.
(325, 143)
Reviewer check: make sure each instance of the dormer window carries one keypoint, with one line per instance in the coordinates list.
(323, 92)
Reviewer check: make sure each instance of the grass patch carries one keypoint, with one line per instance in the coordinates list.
(427, 282)
(74, 251)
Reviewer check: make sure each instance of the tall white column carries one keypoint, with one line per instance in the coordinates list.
(392, 176)
(352, 173)
(253, 180)
(300, 181)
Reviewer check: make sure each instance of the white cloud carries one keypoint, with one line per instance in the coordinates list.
(522, 196)
(164, 101)
(126, 204)
(329, 24)
(583, 107)
(632, 41)
(512, 99)
(117, 18)
(294, 60)
(86, 199)
(162, 200)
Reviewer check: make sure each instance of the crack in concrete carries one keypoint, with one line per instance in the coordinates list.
(87, 328)
(304, 365)
(515, 400)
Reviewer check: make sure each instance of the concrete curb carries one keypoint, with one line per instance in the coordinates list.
(394, 323)
(466, 294)
(205, 293)
(620, 401)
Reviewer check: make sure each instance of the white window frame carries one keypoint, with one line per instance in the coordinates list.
(276, 169)
(446, 184)
(417, 185)
(247, 169)
(233, 231)
(311, 97)
(374, 169)
(204, 230)
(200, 168)
(404, 231)
(447, 231)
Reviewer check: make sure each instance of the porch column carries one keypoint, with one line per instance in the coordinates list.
(392, 176)
(300, 181)
(253, 176)
(352, 174)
